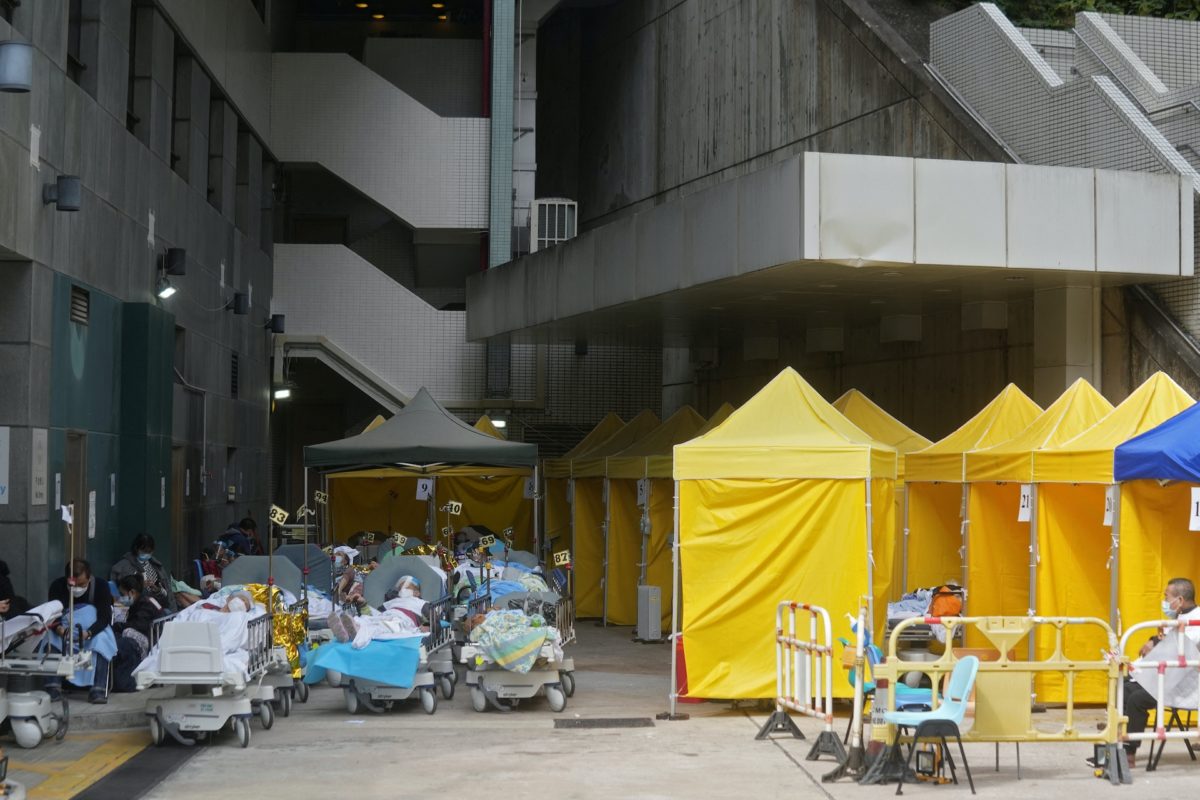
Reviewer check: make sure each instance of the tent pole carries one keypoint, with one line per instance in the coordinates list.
(965, 531)
(537, 509)
(675, 632)
(1034, 556)
(870, 558)
(607, 522)
(642, 577)
(325, 530)
(904, 548)
(304, 502)
(431, 512)
(1114, 610)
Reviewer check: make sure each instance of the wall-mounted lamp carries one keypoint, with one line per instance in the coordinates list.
(174, 261)
(240, 304)
(163, 288)
(275, 323)
(66, 193)
(283, 393)
(16, 66)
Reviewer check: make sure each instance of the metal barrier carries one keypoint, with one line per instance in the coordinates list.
(441, 632)
(259, 641)
(804, 677)
(1003, 687)
(1160, 667)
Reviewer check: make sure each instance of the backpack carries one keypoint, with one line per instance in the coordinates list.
(947, 601)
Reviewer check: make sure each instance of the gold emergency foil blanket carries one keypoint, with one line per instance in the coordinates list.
(289, 629)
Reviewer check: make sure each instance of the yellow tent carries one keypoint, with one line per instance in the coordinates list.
(589, 513)
(486, 425)
(719, 416)
(883, 427)
(782, 501)
(1074, 539)
(641, 517)
(557, 473)
(937, 491)
(998, 541)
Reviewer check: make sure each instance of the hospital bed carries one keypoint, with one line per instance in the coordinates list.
(213, 688)
(435, 667)
(553, 673)
(24, 661)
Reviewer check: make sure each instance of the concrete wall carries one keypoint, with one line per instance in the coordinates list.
(649, 100)
(134, 206)
(446, 75)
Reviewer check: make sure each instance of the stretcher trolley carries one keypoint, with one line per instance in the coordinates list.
(213, 689)
(25, 661)
(435, 668)
(553, 673)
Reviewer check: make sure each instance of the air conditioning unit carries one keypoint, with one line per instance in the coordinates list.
(649, 627)
(551, 220)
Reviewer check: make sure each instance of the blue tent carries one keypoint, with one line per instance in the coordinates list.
(1169, 452)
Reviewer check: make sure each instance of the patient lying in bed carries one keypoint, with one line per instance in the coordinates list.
(232, 618)
(401, 616)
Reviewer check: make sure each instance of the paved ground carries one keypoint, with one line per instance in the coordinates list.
(323, 751)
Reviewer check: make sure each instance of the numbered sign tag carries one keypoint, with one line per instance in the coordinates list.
(507, 536)
(278, 515)
(424, 488)
(643, 487)
(303, 511)
(1194, 521)
(68, 513)
(453, 508)
(530, 489)
(446, 532)
(562, 558)
(1110, 504)
(399, 539)
(1026, 508)
(368, 537)
(321, 498)
(487, 541)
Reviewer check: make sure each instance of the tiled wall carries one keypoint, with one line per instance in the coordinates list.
(445, 75)
(429, 171)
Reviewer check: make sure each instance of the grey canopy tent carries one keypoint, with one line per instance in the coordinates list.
(423, 438)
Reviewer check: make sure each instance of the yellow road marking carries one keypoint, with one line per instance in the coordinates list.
(67, 779)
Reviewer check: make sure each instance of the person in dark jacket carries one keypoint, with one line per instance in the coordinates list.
(11, 604)
(140, 560)
(92, 602)
(133, 641)
(242, 538)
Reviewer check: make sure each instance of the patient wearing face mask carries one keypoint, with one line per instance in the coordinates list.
(90, 604)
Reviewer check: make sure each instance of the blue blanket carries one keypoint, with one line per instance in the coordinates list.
(392, 661)
(103, 644)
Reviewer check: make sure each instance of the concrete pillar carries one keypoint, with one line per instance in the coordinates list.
(500, 206)
(678, 380)
(249, 186)
(1065, 340)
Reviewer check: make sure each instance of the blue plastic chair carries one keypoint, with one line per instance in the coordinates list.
(907, 698)
(939, 723)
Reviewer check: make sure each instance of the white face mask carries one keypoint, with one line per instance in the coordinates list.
(1167, 611)
(78, 591)
(406, 592)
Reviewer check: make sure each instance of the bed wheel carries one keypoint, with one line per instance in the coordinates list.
(447, 687)
(27, 732)
(353, 706)
(302, 691)
(429, 700)
(266, 715)
(157, 734)
(285, 703)
(556, 697)
(241, 726)
(568, 682)
(478, 699)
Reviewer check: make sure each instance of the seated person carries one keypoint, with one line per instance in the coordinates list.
(11, 604)
(1179, 602)
(242, 538)
(133, 639)
(93, 616)
(347, 582)
(156, 578)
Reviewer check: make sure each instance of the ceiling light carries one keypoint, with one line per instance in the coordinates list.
(439, 5)
(499, 423)
(443, 17)
(377, 16)
(163, 288)
(360, 5)
(283, 393)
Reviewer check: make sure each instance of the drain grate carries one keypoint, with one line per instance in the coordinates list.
(620, 722)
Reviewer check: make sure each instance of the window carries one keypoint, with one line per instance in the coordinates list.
(81, 303)
(75, 65)
(181, 351)
(82, 44)
(233, 376)
(6, 9)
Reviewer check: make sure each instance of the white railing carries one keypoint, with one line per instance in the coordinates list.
(1174, 630)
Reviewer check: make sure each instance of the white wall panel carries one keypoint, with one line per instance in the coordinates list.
(866, 208)
(960, 213)
(1137, 223)
(1051, 217)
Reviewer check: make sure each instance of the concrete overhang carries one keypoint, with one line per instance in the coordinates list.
(849, 234)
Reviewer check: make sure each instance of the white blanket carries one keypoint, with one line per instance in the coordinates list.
(37, 616)
(384, 625)
(234, 632)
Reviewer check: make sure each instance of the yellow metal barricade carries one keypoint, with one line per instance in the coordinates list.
(1003, 688)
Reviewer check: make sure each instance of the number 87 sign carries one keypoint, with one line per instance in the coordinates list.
(562, 558)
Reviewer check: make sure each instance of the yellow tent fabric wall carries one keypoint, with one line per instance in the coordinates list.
(773, 506)
(658, 550)
(1073, 580)
(587, 549)
(384, 504)
(497, 503)
(624, 553)
(557, 472)
(1156, 546)
(934, 534)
